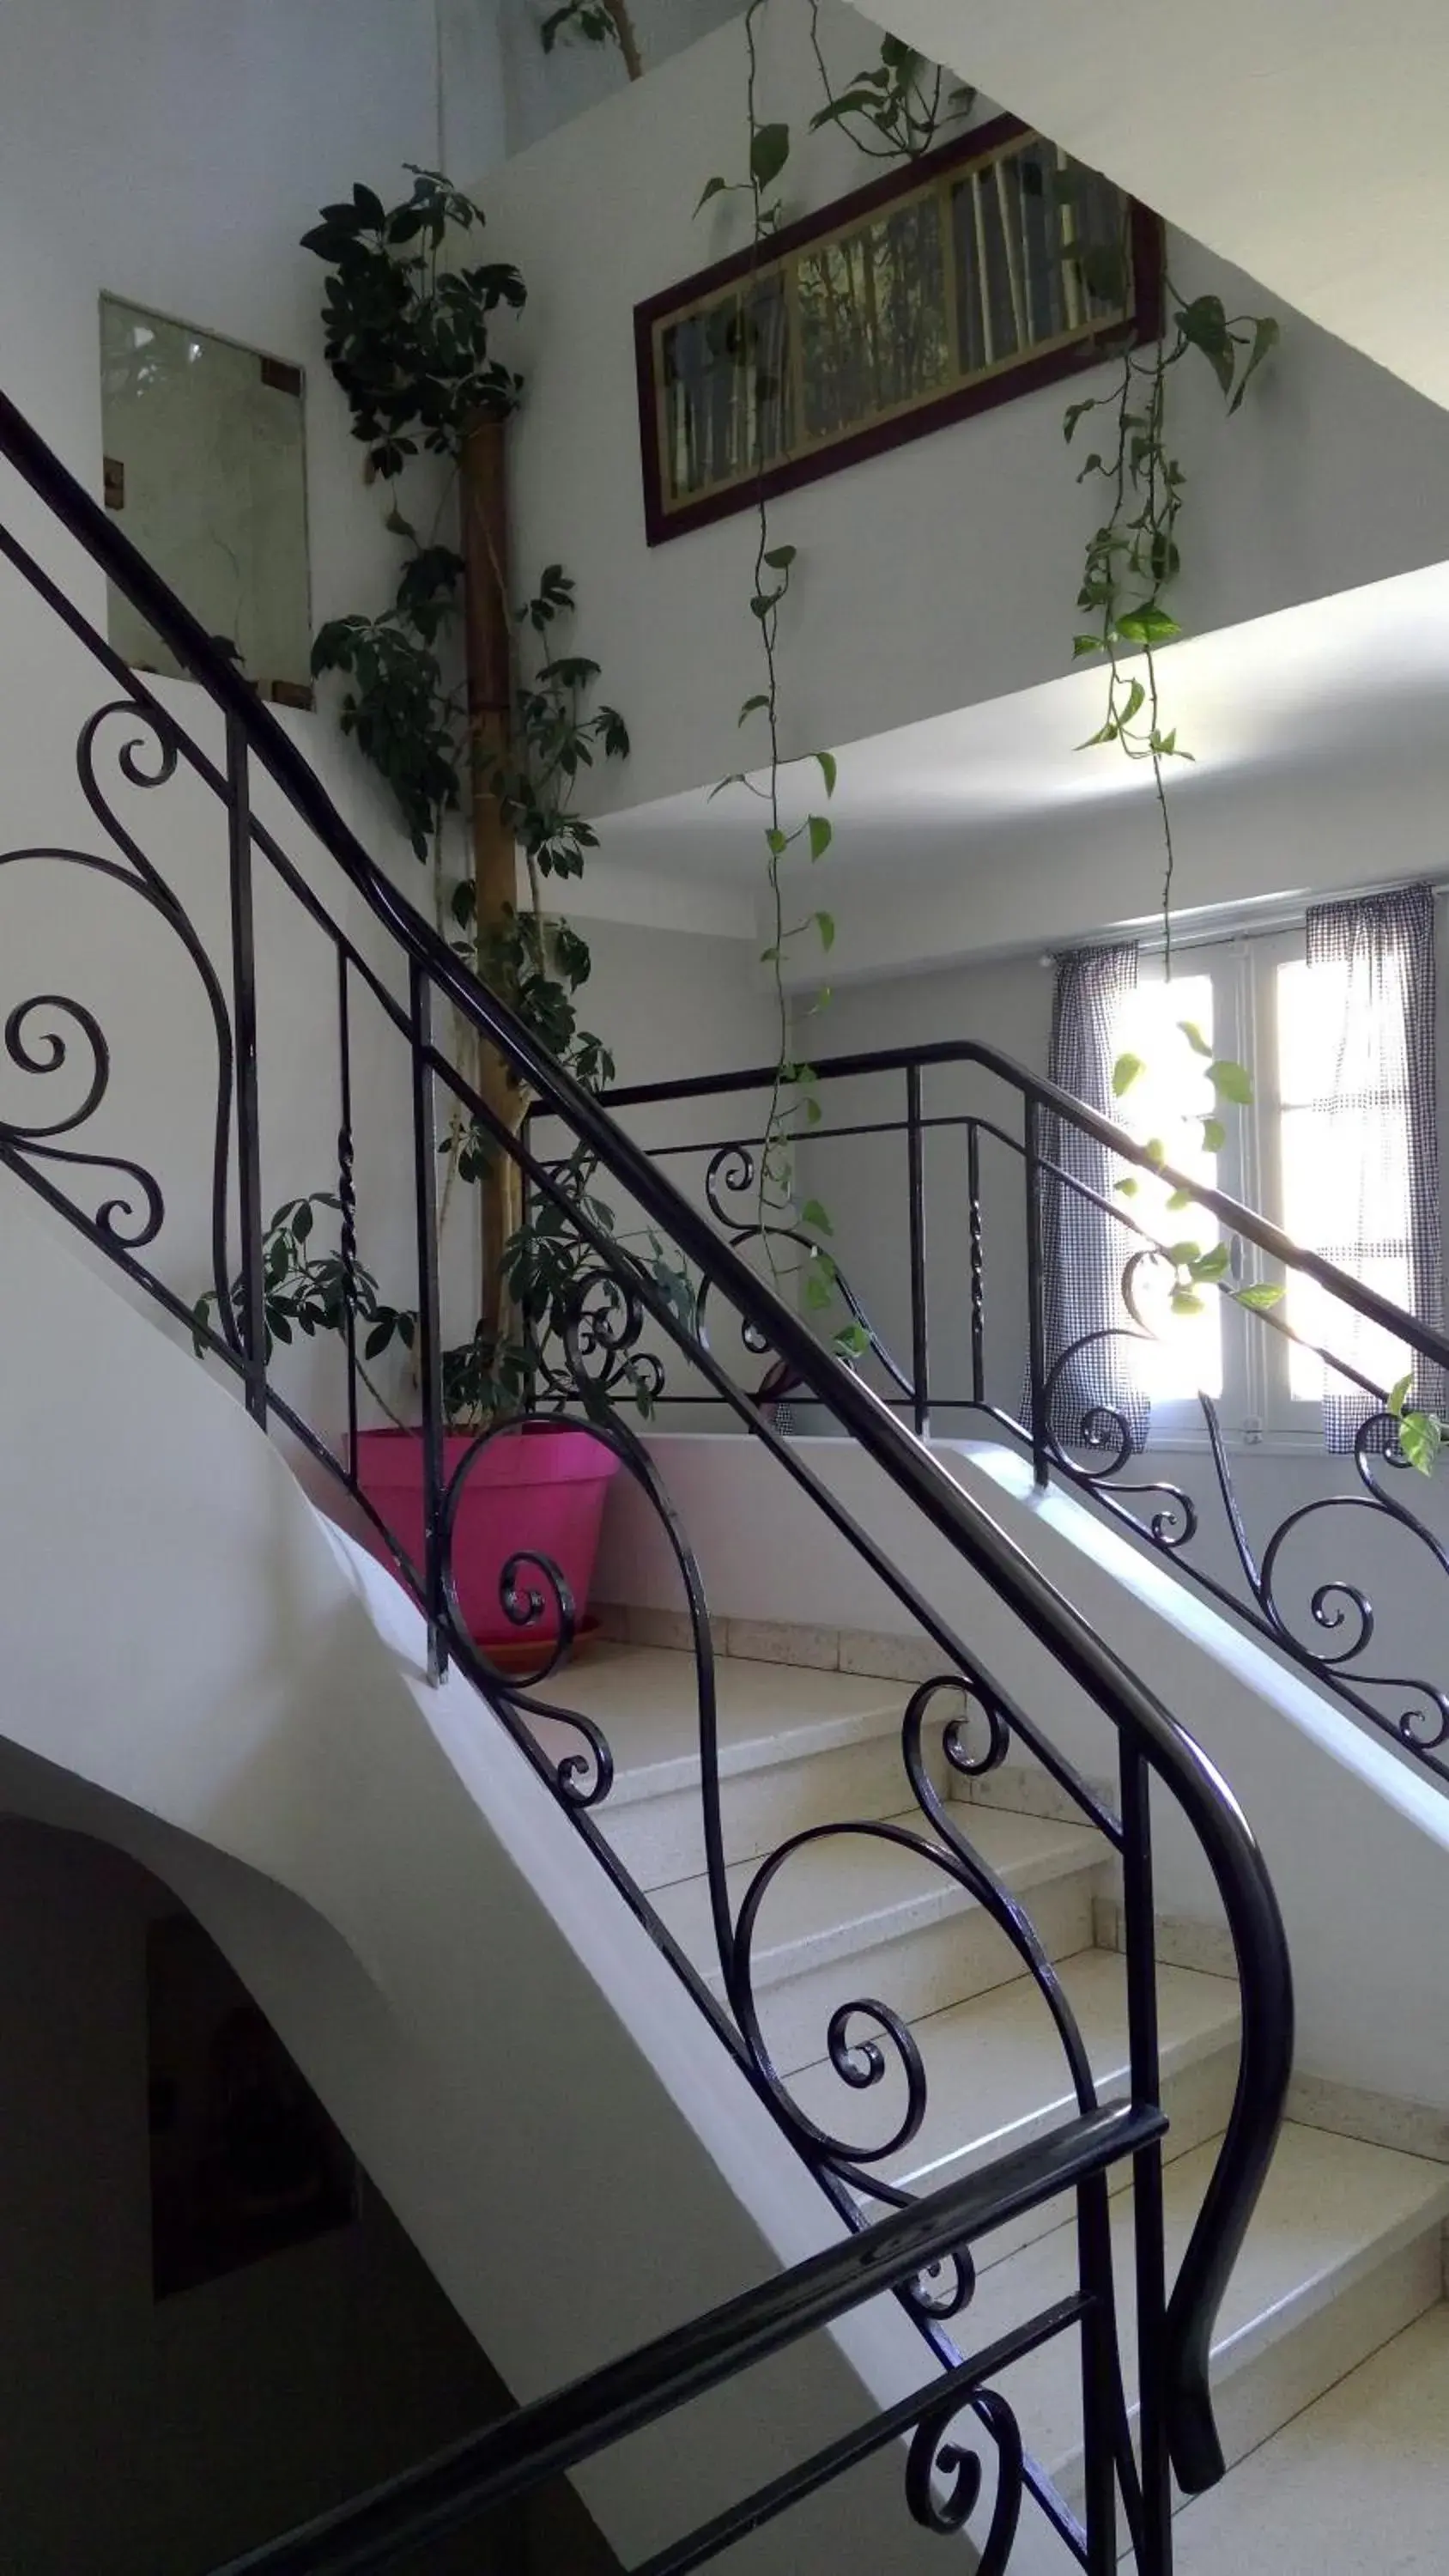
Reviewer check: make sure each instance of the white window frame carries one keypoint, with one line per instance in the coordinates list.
(1256, 1408)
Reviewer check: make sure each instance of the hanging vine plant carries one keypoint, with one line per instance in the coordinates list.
(1132, 565)
(794, 1105)
(895, 109)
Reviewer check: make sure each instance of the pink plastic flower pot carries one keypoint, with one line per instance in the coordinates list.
(537, 1490)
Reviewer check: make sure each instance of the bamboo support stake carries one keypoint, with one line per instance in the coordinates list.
(488, 646)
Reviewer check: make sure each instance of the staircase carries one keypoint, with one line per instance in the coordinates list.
(834, 2005)
(1346, 2250)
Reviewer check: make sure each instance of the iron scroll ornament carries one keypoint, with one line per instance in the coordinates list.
(41, 1031)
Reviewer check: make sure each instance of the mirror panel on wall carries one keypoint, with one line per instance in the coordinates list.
(205, 467)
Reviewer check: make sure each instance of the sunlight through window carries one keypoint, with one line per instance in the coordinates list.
(1185, 1357)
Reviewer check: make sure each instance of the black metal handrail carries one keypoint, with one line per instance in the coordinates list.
(473, 2477)
(1048, 1098)
(1076, 1432)
(614, 1298)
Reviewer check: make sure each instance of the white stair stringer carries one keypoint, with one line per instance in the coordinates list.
(544, 2107)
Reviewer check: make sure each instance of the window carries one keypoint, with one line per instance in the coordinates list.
(990, 267)
(1259, 1002)
(1190, 1356)
(1309, 1012)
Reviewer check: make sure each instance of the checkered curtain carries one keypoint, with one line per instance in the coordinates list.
(1382, 1141)
(1083, 1250)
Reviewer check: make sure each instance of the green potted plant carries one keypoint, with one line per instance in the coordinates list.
(481, 726)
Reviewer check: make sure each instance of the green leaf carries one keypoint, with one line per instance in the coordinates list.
(1399, 1394)
(780, 558)
(1105, 733)
(828, 769)
(1128, 1187)
(753, 705)
(1214, 1135)
(1124, 1073)
(812, 1213)
(1421, 1437)
(1147, 625)
(1212, 1264)
(715, 187)
(1155, 1150)
(1184, 1254)
(826, 927)
(1180, 1199)
(1186, 1301)
(822, 833)
(776, 841)
(769, 152)
(1231, 1081)
(1194, 1037)
(1260, 1296)
(1266, 335)
(852, 1341)
(1086, 644)
(818, 1288)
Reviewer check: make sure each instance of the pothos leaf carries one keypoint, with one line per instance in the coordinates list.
(1231, 1081)
(1421, 1437)
(1125, 1072)
(769, 152)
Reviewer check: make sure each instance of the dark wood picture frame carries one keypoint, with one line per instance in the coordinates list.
(960, 401)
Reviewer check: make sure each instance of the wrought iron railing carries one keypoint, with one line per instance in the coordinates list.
(956, 1206)
(299, 873)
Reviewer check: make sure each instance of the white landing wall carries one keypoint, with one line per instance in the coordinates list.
(172, 154)
(934, 577)
(541, 2103)
(1357, 1843)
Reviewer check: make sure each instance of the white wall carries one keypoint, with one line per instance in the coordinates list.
(173, 155)
(480, 2012)
(1233, 120)
(933, 577)
(1332, 824)
(156, 2438)
(545, 90)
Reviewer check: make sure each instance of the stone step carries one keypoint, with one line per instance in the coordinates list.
(853, 1914)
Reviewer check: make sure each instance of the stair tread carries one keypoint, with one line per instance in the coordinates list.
(1331, 2206)
(835, 1897)
(644, 1698)
(995, 2071)
(1358, 2480)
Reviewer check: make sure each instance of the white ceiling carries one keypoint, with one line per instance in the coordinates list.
(1298, 138)
(1367, 670)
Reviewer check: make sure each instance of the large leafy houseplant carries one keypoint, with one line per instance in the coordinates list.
(482, 726)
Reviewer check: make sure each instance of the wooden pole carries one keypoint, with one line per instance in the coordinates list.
(489, 650)
(628, 42)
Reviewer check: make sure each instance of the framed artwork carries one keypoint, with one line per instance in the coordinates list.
(989, 267)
